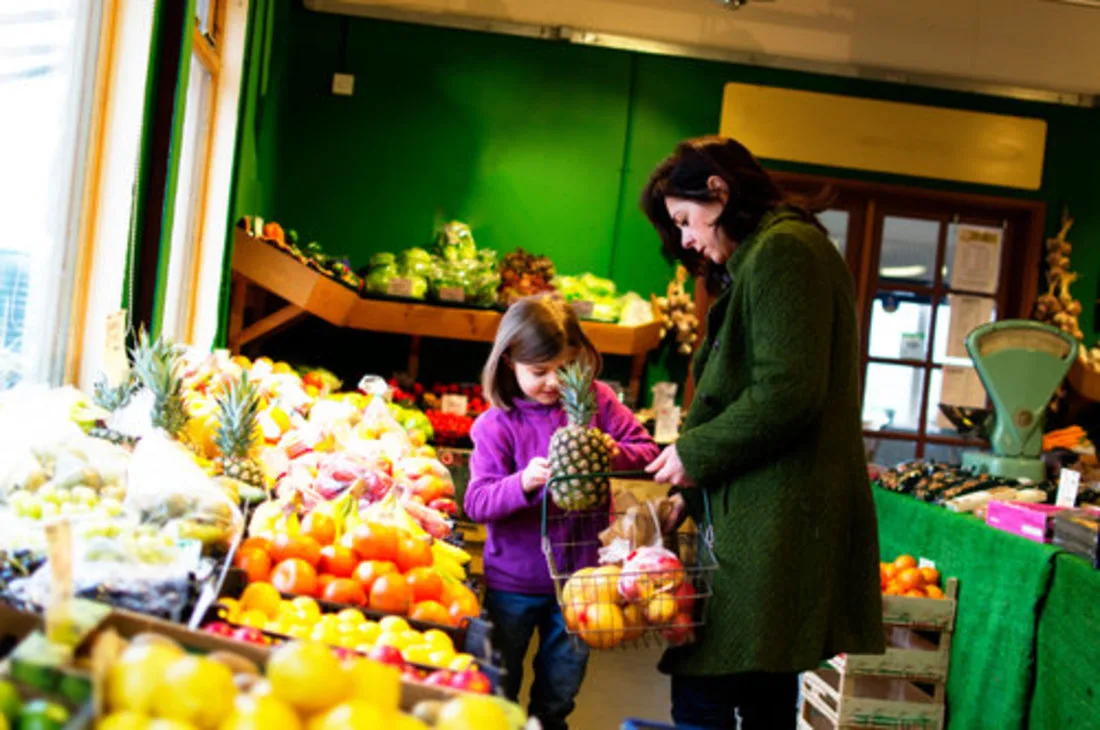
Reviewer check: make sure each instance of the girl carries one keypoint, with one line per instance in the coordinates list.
(508, 471)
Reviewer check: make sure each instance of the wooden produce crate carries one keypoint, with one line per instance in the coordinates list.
(902, 689)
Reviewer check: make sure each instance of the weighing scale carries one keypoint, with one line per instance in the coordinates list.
(1021, 363)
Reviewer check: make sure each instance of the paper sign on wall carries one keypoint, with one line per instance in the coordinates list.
(967, 314)
(455, 404)
(976, 266)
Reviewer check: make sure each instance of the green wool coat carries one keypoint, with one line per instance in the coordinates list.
(774, 436)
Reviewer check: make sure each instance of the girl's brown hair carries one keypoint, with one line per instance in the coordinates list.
(752, 194)
(534, 330)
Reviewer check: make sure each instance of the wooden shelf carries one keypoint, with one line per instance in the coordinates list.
(259, 263)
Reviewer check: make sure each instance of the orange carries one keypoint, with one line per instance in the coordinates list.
(390, 594)
(256, 542)
(889, 572)
(368, 571)
(905, 561)
(295, 576)
(374, 542)
(320, 526)
(463, 603)
(910, 578)
(931, 576)
(916, 593)
(261, 596)
(345, 590)
(413, 553)
(893, 588)
(426, 584)
(934, 592)
(254, 561)
(432, 612)
(338, 561)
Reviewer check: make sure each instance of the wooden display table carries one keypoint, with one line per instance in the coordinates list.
(261, 265)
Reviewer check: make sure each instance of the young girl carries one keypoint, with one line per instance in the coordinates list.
(508, 471)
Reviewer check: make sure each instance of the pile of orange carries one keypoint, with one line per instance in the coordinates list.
(373, 566)
(904, 577)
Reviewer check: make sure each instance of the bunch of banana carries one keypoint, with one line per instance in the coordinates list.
(450, 561)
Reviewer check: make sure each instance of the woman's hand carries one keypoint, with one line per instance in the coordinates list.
(536, 474)
(668, 469)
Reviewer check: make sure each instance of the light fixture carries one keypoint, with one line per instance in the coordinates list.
(738, 4)
(903, 272)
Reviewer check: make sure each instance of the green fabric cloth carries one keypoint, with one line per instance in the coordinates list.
(774, 434)
(1002, 582)
(1067, 677)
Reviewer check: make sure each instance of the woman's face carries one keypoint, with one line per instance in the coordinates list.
(697, 223)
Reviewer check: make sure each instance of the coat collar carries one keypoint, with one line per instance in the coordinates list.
(773, 217)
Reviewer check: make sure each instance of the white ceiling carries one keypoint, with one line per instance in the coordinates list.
(1038, 44)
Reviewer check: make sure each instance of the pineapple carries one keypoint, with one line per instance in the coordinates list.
(111, 398)
(157, 366)
(236, 410)
(578, 449)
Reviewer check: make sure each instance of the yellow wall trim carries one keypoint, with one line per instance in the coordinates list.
(885, 136)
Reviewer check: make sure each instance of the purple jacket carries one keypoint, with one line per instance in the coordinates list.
(504, 443)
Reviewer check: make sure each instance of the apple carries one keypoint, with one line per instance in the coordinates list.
(680, 631)
(220, 628)
(661, 609)
(648, 571)
(412, 674)
(685, 598)
(472, 681)
(249, 635)
(440, 678)
(387, 655)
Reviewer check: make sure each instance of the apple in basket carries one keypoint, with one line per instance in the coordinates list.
(592, 585)
(649, 571)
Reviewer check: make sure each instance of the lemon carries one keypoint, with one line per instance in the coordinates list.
(196, 691)
(161, 723)
(442, 658)
(255, 618)
(369, 632)
(394, 624)
(461, 662)
(353, 715)
(438, 640)
(307, 608)
(408, 722)
(387, 638)
(307, 675)
(374, 682)
(230, 608)
(133, 680)
(124, 720)
(419, 655)
(262, 712)
(352, 616)
(472, 713)
(261, 596)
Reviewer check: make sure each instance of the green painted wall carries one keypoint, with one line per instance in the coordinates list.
(537, 144)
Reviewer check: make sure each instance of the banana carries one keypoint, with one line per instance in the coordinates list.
(455, 553)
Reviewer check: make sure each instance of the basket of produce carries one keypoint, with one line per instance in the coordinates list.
(619, 581)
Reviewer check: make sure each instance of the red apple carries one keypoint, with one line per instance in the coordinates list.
(249, 635)
(472, 681)
(387, 655)
(440, 678)
(680, 631)
(685, 598)
(220, 628)
(412, 674)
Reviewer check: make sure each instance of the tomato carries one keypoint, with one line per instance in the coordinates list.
(372, 541)
(432, 612)
(254, 561)
(320, 526)
(338, 560)
(295, 576)
(345, 590)
(390, 594)
(413, 553)
(368, 571)
(425, 583)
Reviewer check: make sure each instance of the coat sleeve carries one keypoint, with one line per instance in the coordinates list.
(791, 317)
(636, 447)
(495, 490)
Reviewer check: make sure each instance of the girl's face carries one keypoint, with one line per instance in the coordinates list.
(696, 221)
(539, 380)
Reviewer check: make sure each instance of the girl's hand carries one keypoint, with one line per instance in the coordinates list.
(536, 474)
(612, 446)
(668, 469)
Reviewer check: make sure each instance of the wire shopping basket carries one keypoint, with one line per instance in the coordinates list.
(655, 593)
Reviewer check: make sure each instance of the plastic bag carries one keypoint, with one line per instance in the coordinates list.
(168, 489)
(35, 423)
(637, 525)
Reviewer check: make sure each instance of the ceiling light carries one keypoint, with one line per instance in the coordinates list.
(903, 272)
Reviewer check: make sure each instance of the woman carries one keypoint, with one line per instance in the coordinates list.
(774, 438)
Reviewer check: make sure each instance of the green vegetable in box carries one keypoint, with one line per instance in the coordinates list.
(415, 262)
(455, 242)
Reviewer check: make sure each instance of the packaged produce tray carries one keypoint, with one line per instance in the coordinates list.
(1032, 521)
(1078, 531)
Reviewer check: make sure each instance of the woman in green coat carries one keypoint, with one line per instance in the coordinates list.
(773, 436)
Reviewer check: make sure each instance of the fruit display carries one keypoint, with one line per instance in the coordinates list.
(523, 274)
(676, 312)
(451, 429)
(310, 254)
(30, 704)
(606, 304)
(905, 577)
(237, 408)
(940, 483)
(577, 450)
(262, 616)
(387, 275)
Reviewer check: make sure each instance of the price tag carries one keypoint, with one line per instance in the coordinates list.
(1068, 483)
(59, 546)
(926, 563)
(456, 405)
(582, 308)
(105, 652)
(399, 287)
(116, 366)
(452, 294)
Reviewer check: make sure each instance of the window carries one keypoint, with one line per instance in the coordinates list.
(47, 71)
(901, 245)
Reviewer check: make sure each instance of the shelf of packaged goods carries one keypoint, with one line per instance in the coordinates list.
(260, 264)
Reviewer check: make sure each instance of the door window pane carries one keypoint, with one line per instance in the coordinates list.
(945, 453)
(891, 398)
(889, 452)
(944, 334)
(900, 325)
(836, 224)
(909, 250)
(936, 422)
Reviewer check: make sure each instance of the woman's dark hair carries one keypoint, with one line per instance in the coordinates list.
(752, 193)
